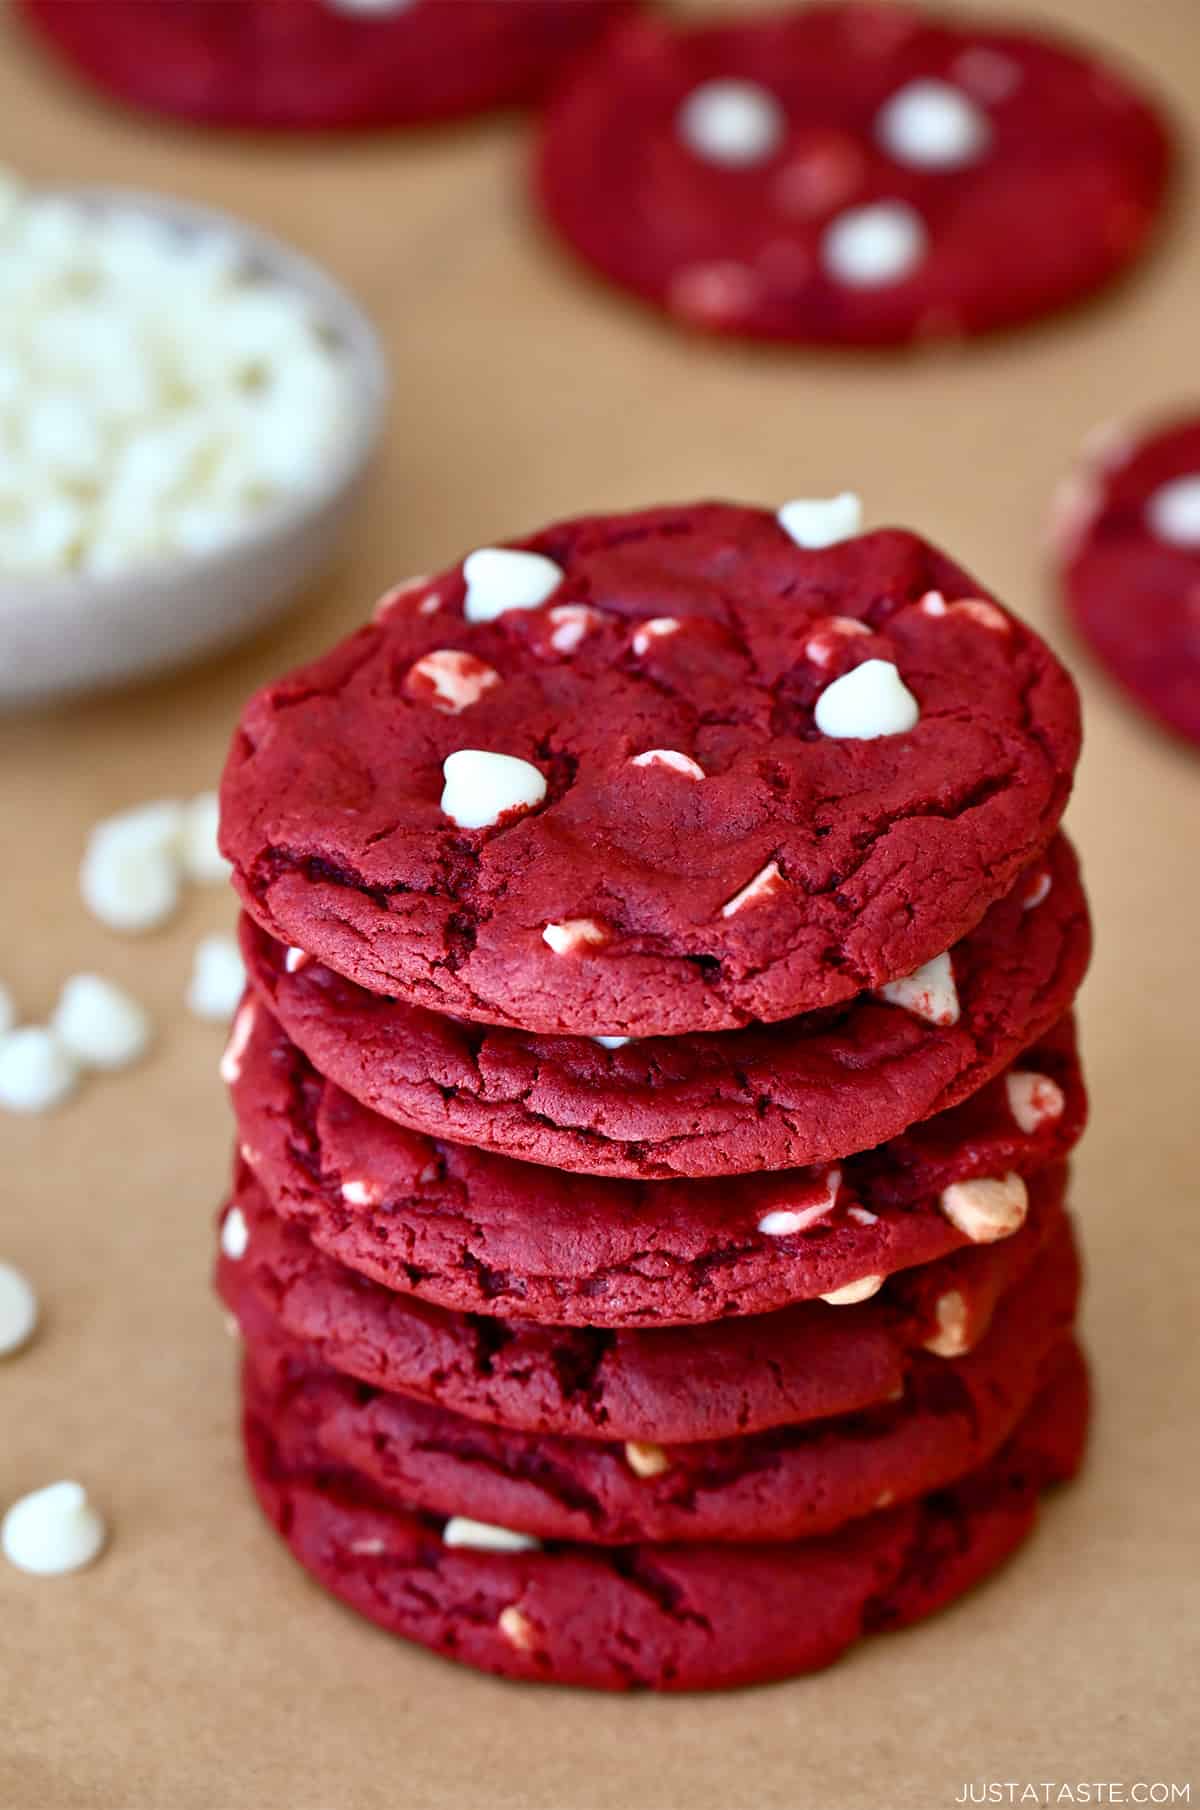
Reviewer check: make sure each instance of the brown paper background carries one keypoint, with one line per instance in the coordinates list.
(195, 1668)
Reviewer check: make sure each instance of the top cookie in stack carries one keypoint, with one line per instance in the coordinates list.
(659, 924)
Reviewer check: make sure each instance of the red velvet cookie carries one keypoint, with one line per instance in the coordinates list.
(809, 1361)
(485, 1234)
(1128, 531)
(669, 1617)
(653, 774)
(805, 1091)
(313, 65)
(851, 173)
(786, 1484)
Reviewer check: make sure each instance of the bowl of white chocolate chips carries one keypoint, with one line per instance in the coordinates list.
(187, 409)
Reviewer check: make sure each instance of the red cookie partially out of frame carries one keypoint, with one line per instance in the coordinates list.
(1127, 528)
(319, 65)
(670, 1618)
(860, 173)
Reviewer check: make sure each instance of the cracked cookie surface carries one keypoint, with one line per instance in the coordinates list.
(688, 851)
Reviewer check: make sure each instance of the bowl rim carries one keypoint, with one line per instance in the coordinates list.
(371, 382)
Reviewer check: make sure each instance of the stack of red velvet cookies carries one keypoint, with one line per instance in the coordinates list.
(654, 1092)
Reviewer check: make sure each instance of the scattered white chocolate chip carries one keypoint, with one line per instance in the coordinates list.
(987, 615)
(358, 1192)
(517, 1629)
(869, 247)
(296, 958)
(203, 861)
(574, 934)
(1034, 1100)
(868, 701)
(655, 628)
(461, 1530)
(932, 125)
(250, 1155)
(814, 522)
(1174, 511)
(231, 1062)
(481, 787)
(18, 1310)
(449, 680)
(612, 1043)
(863, 1215)
(571, 622)
(1036, 891)
(507, 578)
(369, 1548)
(987, 1210)
(732, 123)
(235, 1235)
(8, 1010)
(99, 1024)
(950, 1340)
(827, 636)
(218, 979)
(782, 1222)
(130, 874)
(646, 1460)
(765, 884)
(36, 1072)
(929, 993)
(862, 1290)
(668, 757)
(52, 1531)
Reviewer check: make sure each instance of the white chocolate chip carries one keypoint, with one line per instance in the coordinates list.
(868, 701)
(449, 680)
(358, 1192)
(765, 884)
(231, 1062)
(517, 1629)
(1036, 891)
(571, 623)
(930, 125)
(668, 757)
(929, 993)
(612, 1043)
(296, 958)
(505, 578)
(218, 979)
(646, 1460)
(52, 1531)
(1174, 511)
(862, 1290)
(481, 787)
(863, 1216)
(782, 1222)
(656, 628)
(18, 1310)
(827, 636)
(235, 1235)
(203, 861)
(250, 1155)
(574, 934)
(1034, 1100)
(815, 523)
(950, 1340)
(369, 1548)
(870, 247)
(99, 1024)
(732, 123)
(130, 874)
(461, 1530)
(984, 1211)
(36, 1072)
(986, 614)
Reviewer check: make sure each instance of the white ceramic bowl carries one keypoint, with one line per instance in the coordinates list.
(68, 633)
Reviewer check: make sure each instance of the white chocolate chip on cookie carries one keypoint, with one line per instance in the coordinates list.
(929, 993)
(1034, 1100)
(482, 787)
(574, 934)
(868, 701)
(987, 1210)
(507, 578)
